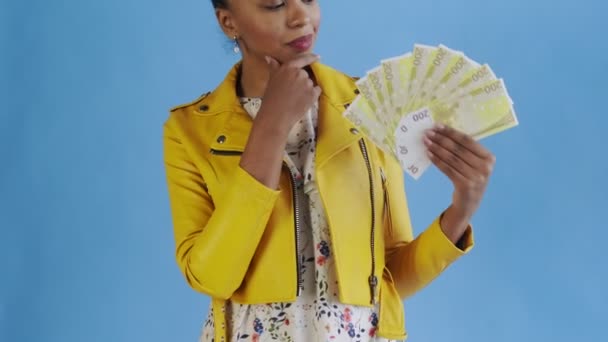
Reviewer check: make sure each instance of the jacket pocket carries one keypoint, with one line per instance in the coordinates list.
(391, 320)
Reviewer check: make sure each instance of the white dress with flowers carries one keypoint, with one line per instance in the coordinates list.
(317, 314)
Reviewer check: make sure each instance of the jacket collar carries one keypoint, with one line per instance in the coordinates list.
(334, 133)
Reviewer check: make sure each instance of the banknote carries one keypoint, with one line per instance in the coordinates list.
(397, 72)
(372, 107)
(403, 96)
(452, 77)
(507, 122)
(476, 111)
(472, 80)
(380, 88)
(411, 151)
(361, 113)
(366, 90)
(444, 60)
(423, 56)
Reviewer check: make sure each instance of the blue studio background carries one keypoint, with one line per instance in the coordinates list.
(86, 245)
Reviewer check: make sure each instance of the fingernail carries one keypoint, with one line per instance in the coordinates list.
(430, 154)
(430, 133)
(267, 59)
(427, 141)
(440, 126)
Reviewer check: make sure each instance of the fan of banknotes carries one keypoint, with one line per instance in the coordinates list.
(406, 95)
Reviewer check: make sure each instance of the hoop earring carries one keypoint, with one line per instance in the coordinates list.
(236, 48)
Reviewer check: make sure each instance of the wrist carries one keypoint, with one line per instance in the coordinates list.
(454, 223)
(274, 125)
(266, 138)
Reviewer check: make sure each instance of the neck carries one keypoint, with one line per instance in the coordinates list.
(253, 78)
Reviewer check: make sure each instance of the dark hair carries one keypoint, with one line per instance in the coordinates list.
(219, 3)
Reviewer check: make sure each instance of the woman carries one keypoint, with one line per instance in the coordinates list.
(290, 219)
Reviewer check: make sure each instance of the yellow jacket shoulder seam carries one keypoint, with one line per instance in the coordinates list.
(173, 109)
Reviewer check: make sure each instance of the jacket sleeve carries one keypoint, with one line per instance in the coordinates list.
(414, 263)
(215, 239)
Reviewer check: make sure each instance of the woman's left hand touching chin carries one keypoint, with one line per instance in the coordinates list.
(468, 165)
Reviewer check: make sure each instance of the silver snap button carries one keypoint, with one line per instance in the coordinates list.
(354, 131)
(221, 139)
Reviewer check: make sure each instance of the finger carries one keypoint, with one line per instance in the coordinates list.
(317, 92)
(302, 61)
(273, 64)
(465, 140)
(450, 144)
(450, 159)
(453, 174)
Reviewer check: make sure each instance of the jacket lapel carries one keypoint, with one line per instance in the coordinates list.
(335, 132)
(224, 103)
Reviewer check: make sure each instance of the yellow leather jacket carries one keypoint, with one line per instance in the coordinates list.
(236, 238)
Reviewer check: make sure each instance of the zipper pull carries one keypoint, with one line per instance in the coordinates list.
(383, 176)
(373, 286)
(300, 279)
(387, 203)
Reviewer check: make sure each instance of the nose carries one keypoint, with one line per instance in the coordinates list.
(298, 14)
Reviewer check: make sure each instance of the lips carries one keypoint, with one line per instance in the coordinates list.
(302, 43)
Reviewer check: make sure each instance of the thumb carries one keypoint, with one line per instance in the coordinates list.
(317, 92)
(272, 63)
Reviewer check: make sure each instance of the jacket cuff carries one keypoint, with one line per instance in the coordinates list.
(245, 183)
(446, 249)
(252, 198)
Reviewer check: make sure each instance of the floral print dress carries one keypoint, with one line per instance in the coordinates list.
(317, 314)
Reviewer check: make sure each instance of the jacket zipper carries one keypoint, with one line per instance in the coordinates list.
(372, 280)
(296, 219)
(296, 215)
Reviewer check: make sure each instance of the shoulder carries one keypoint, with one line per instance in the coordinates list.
(325, 70)
(193, 103)
(220, 100)
(180, 116)
(340, 87)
